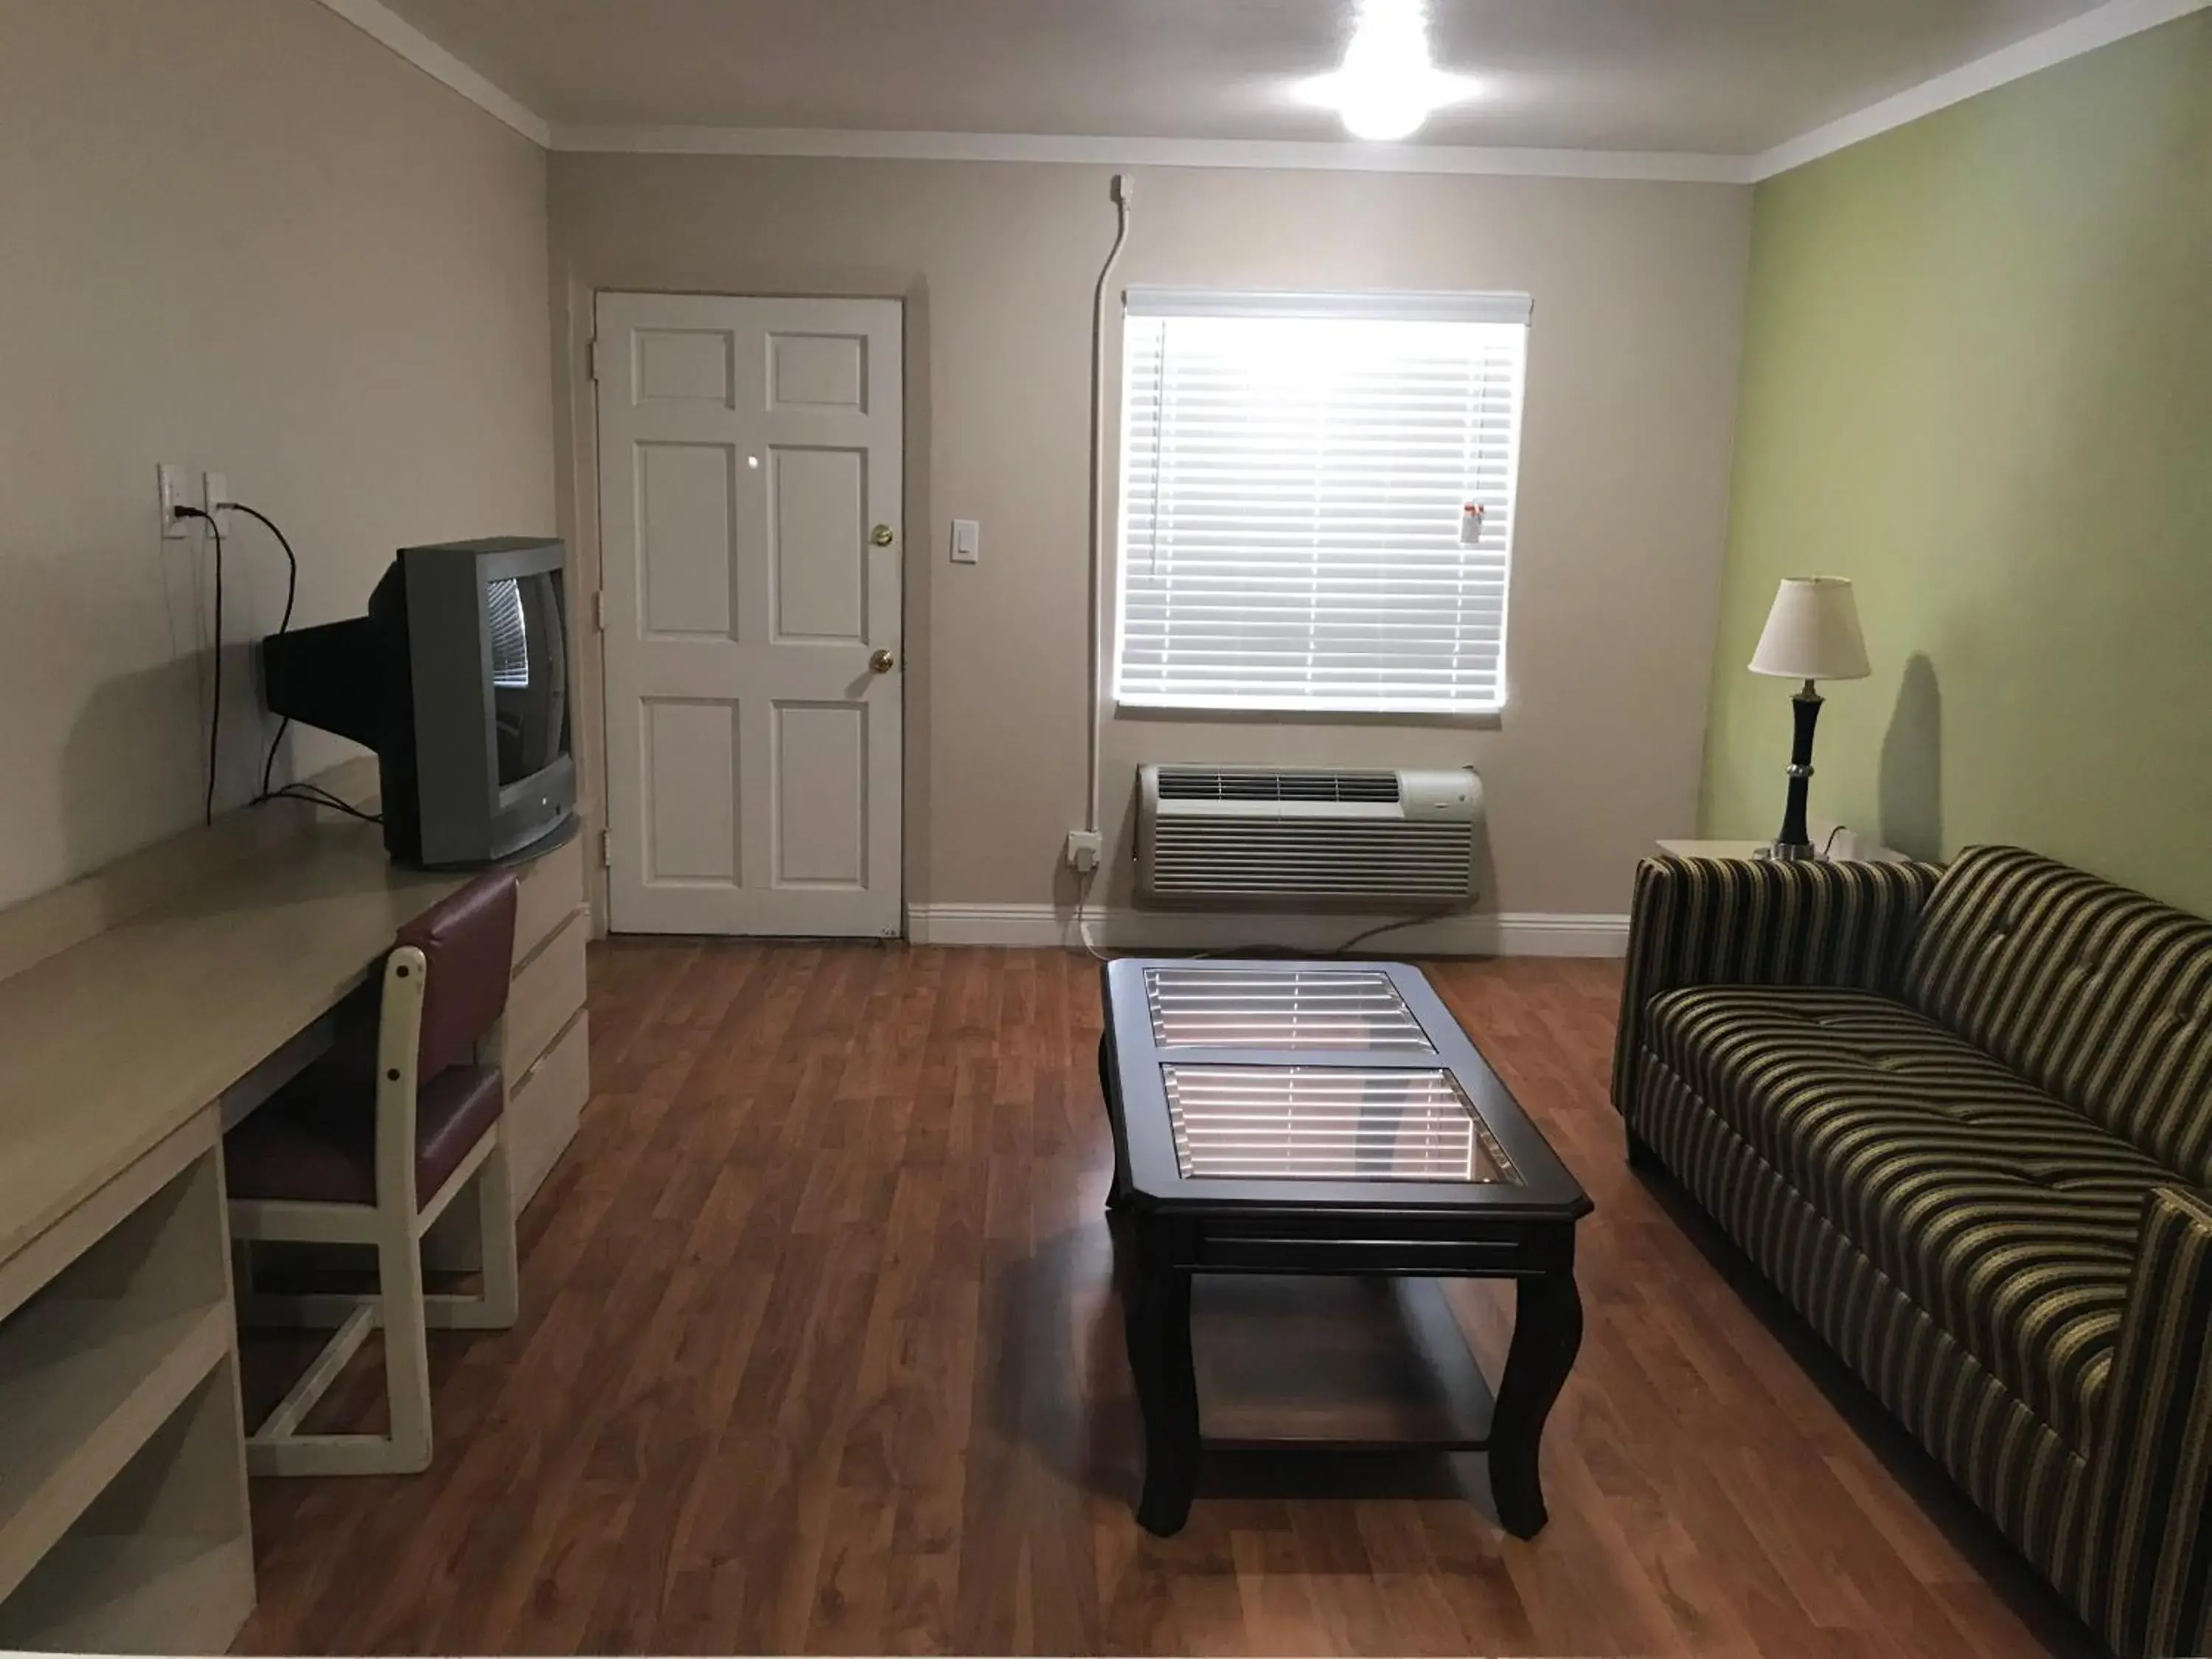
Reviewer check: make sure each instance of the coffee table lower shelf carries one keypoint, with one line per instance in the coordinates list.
(1297, 1364)
(1312, 1361)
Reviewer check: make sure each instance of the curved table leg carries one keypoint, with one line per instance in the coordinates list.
(1156, 1321)
(1548, 1330)
(1116, 1193)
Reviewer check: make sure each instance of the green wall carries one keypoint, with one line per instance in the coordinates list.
(1978, 381)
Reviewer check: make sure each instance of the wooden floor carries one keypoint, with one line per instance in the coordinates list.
(818, 1353)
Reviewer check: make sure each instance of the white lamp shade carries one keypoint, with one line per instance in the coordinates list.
(1813, 633)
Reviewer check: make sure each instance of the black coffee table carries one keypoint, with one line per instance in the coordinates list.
(1303, 1118)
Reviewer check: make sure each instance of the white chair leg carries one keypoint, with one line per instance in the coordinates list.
(496, 1246)
(277, 1447)
(497, 1306)
(406, 1346)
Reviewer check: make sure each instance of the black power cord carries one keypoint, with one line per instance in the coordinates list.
(291, 597)
(215, 710)
(1232, 952)
(314, 795)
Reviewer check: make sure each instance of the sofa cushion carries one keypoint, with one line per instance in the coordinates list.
(2005, 1215)
(2097, 995)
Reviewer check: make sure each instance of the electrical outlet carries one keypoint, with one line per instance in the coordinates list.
(175, 492)
(214, 489)
(1083, 848)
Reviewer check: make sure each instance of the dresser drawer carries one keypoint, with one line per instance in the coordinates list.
(543, 1108)
(545, 994)
(549, 890)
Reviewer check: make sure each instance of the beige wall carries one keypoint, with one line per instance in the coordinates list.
(1639, 299)
(238, 235)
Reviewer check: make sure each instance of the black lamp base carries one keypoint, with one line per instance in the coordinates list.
(1796, 841)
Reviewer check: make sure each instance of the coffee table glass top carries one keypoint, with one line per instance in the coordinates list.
(1312, 1088)
(1329, 1123)
(1220, 1007)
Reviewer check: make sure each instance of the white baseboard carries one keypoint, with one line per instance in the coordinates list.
(1478, 934)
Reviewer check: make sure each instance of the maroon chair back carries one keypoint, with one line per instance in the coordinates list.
(467, 943)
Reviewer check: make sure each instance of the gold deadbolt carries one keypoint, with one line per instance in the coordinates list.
(881, 535)
(881, 663)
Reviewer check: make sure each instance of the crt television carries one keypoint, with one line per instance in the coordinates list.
(458, 678)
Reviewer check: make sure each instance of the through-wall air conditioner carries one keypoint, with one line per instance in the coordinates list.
(1214, 835)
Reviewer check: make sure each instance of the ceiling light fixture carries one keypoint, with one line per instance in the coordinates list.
(1386, 86)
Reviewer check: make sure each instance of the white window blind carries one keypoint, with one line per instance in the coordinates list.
(1293, 473)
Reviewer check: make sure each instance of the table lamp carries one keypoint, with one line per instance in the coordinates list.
(1811, 633)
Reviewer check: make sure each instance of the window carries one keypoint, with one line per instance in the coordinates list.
(1294, 472)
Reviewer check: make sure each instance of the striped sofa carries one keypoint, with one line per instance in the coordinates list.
(1962, 1117)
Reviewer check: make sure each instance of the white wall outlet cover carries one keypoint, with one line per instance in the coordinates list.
(171, 481)
(1083, 850)
(214, 489)
(967, 541)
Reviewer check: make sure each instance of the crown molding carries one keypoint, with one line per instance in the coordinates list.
(387, 28)
(2115, 21)
(1151, 152)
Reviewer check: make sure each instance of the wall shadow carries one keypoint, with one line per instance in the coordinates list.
(1912, 764)
(133, 766)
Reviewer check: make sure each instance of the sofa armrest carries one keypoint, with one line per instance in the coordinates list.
(2145, 1571)
(1751, 921)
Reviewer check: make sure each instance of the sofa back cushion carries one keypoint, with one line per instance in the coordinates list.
(2093, 993)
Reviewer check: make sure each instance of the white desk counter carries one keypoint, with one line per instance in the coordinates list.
(131, 1004)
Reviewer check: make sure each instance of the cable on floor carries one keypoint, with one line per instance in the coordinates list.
(1083, 884)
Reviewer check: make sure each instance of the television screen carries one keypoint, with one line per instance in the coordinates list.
(529, 673)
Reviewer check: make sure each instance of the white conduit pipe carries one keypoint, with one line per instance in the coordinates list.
(1121, 193)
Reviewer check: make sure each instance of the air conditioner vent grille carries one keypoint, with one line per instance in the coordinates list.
(1292, 858)
(1251, 834)
(1200, 783)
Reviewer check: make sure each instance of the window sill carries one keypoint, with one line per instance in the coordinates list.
(1473, 719)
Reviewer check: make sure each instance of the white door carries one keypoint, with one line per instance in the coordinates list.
(750, 473)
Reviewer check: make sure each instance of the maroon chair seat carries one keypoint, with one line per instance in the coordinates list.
(314, 1142)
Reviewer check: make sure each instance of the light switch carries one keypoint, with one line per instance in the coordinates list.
(967, 541)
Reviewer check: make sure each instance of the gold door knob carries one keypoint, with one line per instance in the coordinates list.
(881, 535)
(881, 663)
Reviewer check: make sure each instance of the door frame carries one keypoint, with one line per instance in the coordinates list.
(586, 509)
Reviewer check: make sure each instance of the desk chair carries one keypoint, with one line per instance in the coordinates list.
(369, 1146)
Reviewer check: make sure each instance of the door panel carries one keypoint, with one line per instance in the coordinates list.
(825, 371)
(686, 366)
(693, 828)
(687, 515)
(819, 563)
(749, 449)
(821, 795)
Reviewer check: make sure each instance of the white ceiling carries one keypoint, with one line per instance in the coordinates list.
(1724, 77)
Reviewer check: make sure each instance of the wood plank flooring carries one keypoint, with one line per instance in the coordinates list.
(818, 1353)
